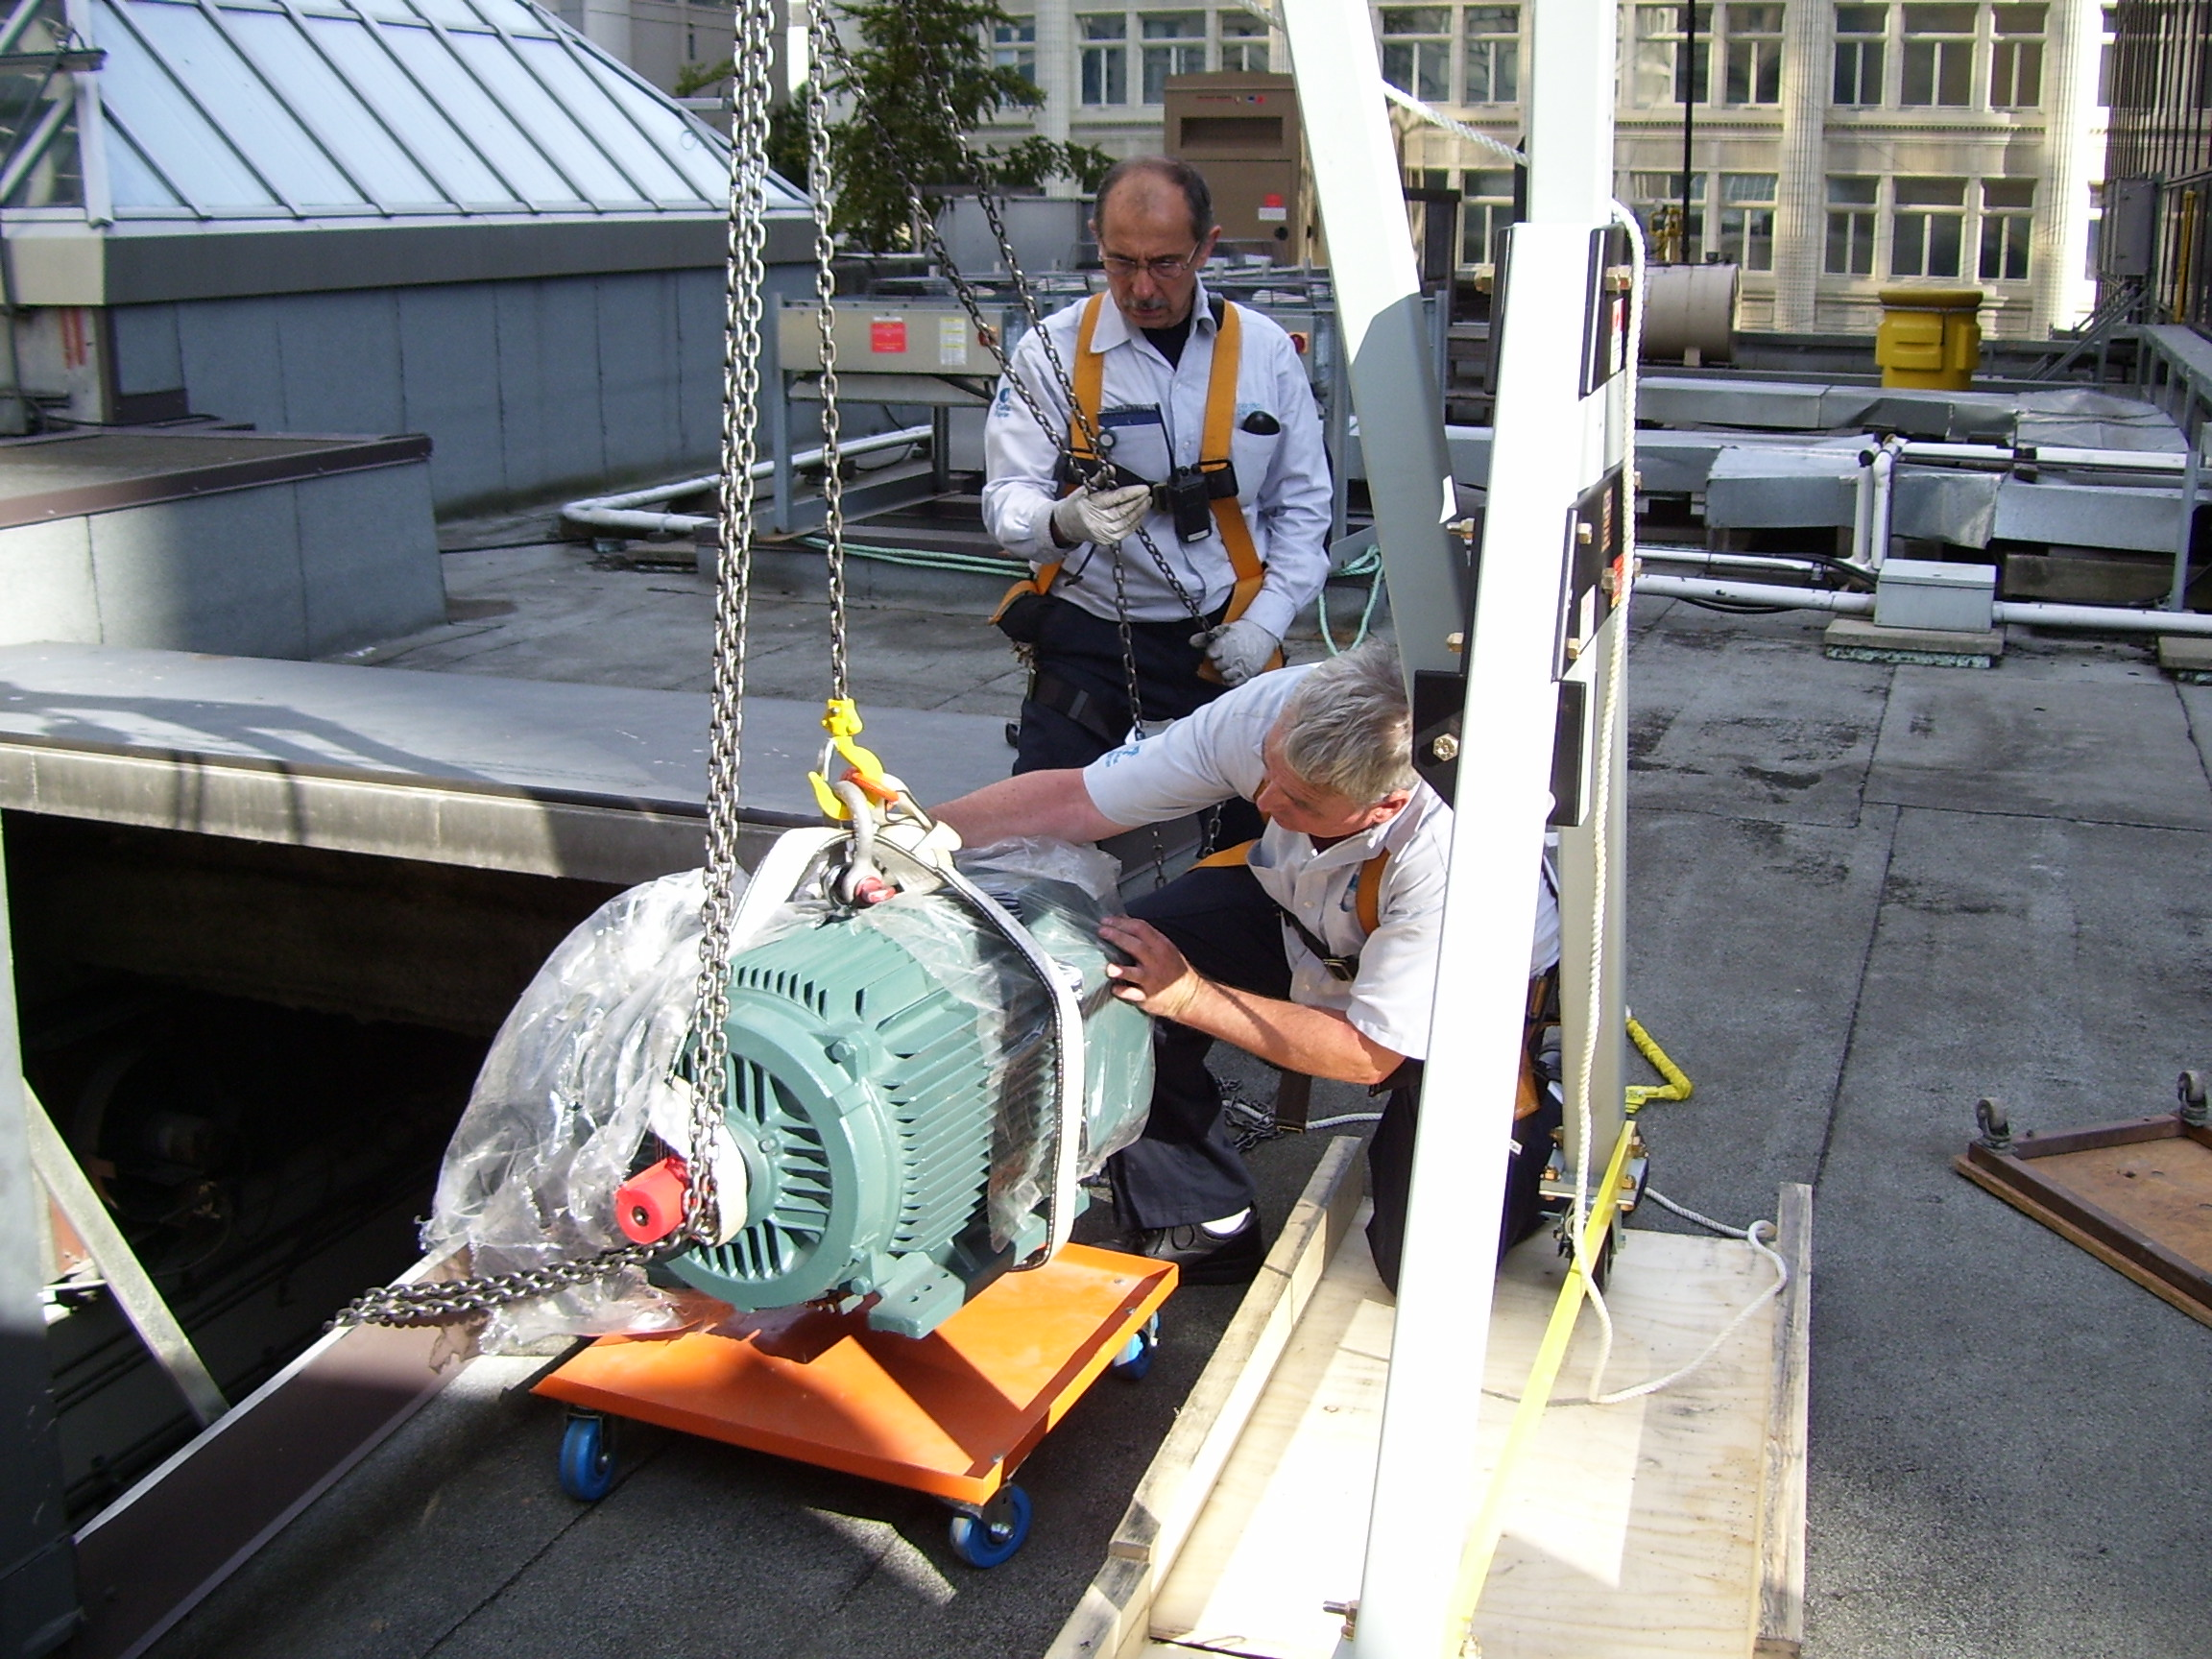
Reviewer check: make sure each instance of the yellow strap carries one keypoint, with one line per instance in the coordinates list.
(1213, 449)
(1228, 858)
(1369, 902)
(1090, 390)
(1089, 382)
(1481, 1546)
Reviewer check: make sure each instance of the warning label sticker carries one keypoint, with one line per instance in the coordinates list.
(887, 334)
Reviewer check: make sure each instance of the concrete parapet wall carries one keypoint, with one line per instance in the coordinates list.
(296, 569)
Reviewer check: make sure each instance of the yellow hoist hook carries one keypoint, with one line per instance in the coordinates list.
(841, 719)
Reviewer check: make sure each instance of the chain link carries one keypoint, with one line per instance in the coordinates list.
(820, 31)
(444, 1301)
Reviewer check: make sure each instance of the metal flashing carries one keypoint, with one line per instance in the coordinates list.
(293, 456)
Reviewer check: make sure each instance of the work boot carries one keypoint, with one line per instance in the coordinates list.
(1206, 1258)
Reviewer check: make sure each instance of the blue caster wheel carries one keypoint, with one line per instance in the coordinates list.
(1136, 1355)
(587, 1458)
(990, 1537)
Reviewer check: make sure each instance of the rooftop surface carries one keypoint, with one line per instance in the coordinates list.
(1860, 897)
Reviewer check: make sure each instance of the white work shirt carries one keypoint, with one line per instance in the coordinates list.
(1206, 757)
(1156, 413)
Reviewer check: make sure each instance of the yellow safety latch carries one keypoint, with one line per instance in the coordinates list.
(841, 719)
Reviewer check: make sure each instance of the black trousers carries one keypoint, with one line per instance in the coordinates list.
(1187, 1166)
(1390, 1171)
(1083, 654)
(1075, 652)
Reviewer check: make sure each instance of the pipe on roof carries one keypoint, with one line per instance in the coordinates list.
(620, 512)
(2034, 614)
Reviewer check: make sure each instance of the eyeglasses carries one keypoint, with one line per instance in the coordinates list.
(1161, 270)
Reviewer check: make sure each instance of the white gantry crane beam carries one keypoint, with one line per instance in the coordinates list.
(1538, 622)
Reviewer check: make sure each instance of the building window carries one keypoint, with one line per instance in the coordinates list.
(1105, 59)
(1754, 54)
(1851, 203)
(2106, 39)
(1657, 200)
(1861, 33)
(1493, 56)
(2008, 220)
(1174, 44)
(1660, 71)
(1927, 227)
(1243, 43)
(1748, 220)
(1014, 46)
(1417, 51)
(1939, 57)
(2096, 229)
(1485, 208)
(2016, 58)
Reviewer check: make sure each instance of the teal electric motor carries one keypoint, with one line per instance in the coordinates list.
(895, 1096)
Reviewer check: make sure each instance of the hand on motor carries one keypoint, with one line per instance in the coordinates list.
(1156, 979)
(1104, 518)
(1237, 650)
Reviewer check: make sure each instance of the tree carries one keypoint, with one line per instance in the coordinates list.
(922, 77)
(916, 61)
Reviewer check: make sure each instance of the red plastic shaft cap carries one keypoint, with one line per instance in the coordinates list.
(649, 1206)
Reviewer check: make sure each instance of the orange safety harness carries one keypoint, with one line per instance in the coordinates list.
(1089, 384)
(1367, 905)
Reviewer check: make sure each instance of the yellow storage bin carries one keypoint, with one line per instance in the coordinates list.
(1930, 337)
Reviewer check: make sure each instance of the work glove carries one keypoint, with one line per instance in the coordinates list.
(1237, 650)
(1105, 518)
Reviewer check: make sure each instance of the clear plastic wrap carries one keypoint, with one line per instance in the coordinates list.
(1060, 891)
(585, 1066)
(582, 1068)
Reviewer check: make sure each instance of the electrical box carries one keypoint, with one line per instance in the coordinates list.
(2130, 237)
(885, 337)
(1242, 132)
(1925, 593)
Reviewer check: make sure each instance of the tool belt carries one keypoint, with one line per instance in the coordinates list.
(1047, 690)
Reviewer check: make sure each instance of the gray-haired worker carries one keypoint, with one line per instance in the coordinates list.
(1317, 954)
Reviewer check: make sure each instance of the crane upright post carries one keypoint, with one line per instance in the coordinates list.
(1559, 431)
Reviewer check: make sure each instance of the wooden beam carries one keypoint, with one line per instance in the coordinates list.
(1112, 1617)
(1782, 1476)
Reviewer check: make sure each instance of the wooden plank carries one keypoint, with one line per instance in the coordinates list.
(2196, 1307)
(1632, 1531)
(1111, 1619)
(1781, 1483)
(2163, 1127)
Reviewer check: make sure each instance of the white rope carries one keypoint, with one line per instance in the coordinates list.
(1413, 106)
(1750, 1236)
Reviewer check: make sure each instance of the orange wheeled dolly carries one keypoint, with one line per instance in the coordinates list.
(953, 1413)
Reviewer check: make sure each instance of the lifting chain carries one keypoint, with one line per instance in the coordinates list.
(439, 1301)
(820, 31)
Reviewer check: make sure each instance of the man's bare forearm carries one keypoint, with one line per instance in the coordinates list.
(1054, 803)
(1314, 1040)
